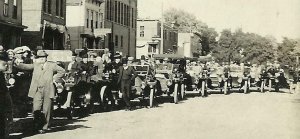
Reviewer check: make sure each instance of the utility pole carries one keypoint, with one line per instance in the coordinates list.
(162, 28)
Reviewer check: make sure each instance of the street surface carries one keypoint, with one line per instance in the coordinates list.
(267, 115)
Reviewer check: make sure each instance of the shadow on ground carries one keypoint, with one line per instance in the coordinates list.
(24, 127)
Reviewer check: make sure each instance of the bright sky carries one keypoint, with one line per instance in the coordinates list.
(266, 17)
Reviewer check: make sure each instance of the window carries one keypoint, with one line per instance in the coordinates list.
(121, 41)
(15, 10)
(5, 8)
(101, 20)
(44, 5)
(132, 18)
(57, 7)
(116, 41)
(125, 15)
(119, 12)
(87, 19)
(128, 16)
(62, 4)
(49, 6)
(142, 31)
(122, 13)
(116, 11)
(97, 20)
(142, 34)
(142, 28)
(92, 19)
(107, 9)
(110, 8)
(151, 49)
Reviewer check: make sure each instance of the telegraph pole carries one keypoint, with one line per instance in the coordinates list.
(162, 28)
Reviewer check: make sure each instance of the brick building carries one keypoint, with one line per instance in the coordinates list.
(46, 20)
(103, 24)
(149, 38)
(11, 23)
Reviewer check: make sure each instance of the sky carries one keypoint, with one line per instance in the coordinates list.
(279, 18)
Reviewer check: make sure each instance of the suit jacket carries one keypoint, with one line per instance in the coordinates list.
(43, 77)
(131, 74)
(5, 99)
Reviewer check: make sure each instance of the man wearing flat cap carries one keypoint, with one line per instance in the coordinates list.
(42, 88)
(5, 99)
(126, 76)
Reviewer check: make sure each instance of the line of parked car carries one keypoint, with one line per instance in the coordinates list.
(171, 79)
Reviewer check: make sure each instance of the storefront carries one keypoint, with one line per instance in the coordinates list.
(54, 36)
(10, 35)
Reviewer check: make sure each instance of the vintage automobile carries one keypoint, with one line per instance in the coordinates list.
(276, 79)
(293, 79)
(172, 81)
(216, 79)
(145, 85)
(72, 92)
(193, 79)
(239, 78)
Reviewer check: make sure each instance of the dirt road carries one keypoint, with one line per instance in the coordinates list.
(236, 116)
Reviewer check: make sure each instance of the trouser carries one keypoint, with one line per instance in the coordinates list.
(2, 125)
(42, 103)
(125, 90)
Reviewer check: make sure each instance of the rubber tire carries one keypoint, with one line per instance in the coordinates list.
(151, 99)
(203, 89)
(262, 86)
(175, 93)
(245, 87)
(102, 99)
(226, 88)
(270, 85)
(182, 91)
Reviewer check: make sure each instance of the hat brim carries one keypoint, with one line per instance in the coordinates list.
(41, 56)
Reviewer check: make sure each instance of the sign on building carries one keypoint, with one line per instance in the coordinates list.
(101, 32)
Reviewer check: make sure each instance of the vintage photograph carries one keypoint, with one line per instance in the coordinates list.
(149, 69)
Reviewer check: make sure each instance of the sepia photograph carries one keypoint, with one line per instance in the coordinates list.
(149, 69)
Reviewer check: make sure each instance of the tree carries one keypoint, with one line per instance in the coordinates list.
(243, 47)
(287, 51)
(188, 23)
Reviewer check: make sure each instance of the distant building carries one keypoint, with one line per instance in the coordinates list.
(46, 20)
(11, 23)
(149, 38)
(189, 44)
(103, 24)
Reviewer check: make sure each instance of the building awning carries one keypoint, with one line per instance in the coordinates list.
(12, 25)
(140, 44)
(53, 26)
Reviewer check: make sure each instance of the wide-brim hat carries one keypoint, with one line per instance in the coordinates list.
(130, 58)
(41, 53)
(18, 50)
(117, 56)
(4, 56)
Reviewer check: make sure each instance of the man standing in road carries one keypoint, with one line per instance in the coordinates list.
(126, 76)
(42, 89)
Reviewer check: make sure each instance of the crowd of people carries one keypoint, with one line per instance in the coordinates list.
(35, 77)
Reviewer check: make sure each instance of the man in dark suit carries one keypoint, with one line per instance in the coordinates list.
(126, 76)
(5, 99)
(42, 88)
